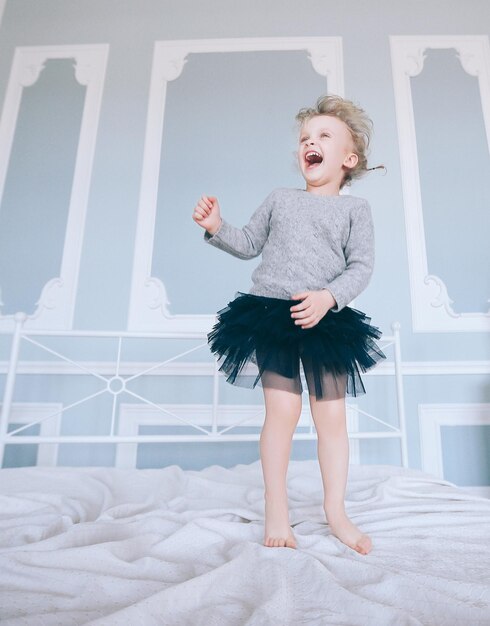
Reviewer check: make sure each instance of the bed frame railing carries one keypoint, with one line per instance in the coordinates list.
(216, 421)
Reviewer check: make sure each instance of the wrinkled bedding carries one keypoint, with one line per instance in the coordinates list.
(105, 546)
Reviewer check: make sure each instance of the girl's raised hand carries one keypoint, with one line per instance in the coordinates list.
(314, 305)
(207, 214)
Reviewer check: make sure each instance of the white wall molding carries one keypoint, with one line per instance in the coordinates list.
(2, 9)
(431, 303)
(433, 416)
(56, 305)
(27, 412)
(149, 305)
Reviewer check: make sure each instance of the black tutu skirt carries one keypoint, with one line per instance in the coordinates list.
(260, 330)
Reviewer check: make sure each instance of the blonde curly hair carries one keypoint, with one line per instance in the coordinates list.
(358, 123)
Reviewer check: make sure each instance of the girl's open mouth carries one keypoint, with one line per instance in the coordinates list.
(313, 158)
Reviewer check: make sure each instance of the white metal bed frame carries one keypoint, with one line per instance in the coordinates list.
(115, 383)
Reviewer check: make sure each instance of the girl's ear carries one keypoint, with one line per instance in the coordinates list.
(351, 160)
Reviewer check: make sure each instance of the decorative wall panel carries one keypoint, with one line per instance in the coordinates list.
(57, 186)
(432, 303)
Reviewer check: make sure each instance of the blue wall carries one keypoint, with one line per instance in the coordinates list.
(219, 103)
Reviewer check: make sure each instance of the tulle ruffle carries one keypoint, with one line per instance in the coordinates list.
(260, 330)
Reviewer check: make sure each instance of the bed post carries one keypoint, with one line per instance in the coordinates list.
(399, 394)
(19, 319)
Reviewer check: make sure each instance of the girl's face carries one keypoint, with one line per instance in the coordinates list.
(325, 151)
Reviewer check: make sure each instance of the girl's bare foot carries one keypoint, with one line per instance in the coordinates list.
(348, 533)
(278, 532)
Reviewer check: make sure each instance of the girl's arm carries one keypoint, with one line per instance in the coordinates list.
(246, 242)
(359, 256)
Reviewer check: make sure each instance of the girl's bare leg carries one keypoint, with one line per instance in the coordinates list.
(333, 455)
(283, 409)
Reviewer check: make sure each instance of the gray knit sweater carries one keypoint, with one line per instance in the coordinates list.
(308, 242)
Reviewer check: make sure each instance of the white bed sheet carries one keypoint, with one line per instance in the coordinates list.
(104, 546)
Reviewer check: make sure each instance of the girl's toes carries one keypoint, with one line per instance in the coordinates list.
(280, 542)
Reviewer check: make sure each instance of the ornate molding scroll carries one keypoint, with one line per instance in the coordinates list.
(431, 304)
(56, 305)
(149, 303)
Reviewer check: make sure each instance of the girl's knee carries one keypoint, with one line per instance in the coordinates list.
(329, 416)
(282, 406)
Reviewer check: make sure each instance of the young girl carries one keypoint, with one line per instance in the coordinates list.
(317, 255)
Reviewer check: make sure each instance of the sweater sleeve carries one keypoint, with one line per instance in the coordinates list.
(246, 242)
(359, 256)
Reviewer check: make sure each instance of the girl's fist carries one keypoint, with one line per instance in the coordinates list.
(207, 214)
